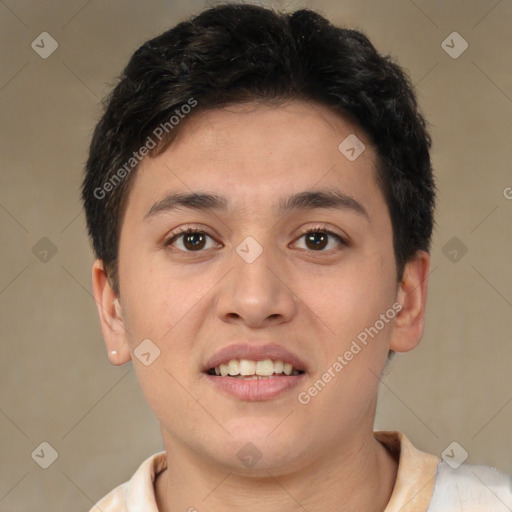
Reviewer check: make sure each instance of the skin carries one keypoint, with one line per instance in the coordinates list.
(320, 456)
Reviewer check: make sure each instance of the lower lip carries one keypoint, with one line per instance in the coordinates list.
(255, 389)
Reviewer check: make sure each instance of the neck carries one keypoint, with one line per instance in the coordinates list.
(360, 476)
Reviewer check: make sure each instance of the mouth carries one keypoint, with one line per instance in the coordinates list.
(253, 371)
(254, 380)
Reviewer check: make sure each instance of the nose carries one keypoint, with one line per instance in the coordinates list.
(256, 292)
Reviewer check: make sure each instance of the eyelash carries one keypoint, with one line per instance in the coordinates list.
(317, 229)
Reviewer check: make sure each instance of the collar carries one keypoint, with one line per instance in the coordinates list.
(412, 492)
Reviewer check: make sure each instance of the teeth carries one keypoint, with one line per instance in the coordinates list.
(247, 368)
(265, 367)
(255, 377)
(233, 367)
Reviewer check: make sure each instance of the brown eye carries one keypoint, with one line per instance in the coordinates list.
(192, 240)
(318, 239)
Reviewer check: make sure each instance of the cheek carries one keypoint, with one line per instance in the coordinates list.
(162, 300)
(351, 298)
(356, 342)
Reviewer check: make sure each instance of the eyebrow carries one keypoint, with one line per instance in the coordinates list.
(307, 200)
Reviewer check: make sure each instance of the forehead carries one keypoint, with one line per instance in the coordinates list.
(252, 153)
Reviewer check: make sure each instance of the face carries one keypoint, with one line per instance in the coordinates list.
(275, 260)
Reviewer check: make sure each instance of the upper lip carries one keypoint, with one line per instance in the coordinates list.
(254, 352)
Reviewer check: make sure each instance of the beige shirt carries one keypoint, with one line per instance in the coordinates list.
(471, 489)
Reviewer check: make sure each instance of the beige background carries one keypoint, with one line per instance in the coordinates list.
(57, 385)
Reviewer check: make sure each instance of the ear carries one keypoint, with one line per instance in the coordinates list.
(111, 316)
(412, 295)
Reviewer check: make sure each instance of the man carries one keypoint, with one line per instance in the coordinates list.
(260, 199)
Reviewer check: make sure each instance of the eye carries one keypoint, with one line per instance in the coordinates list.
(317, 239)
(192, 240)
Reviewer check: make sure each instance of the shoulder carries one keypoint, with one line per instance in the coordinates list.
(138, 493)
(471, 488)
(114, 501)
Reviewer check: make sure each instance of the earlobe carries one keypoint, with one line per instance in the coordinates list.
(412, 295)
(111, 316)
